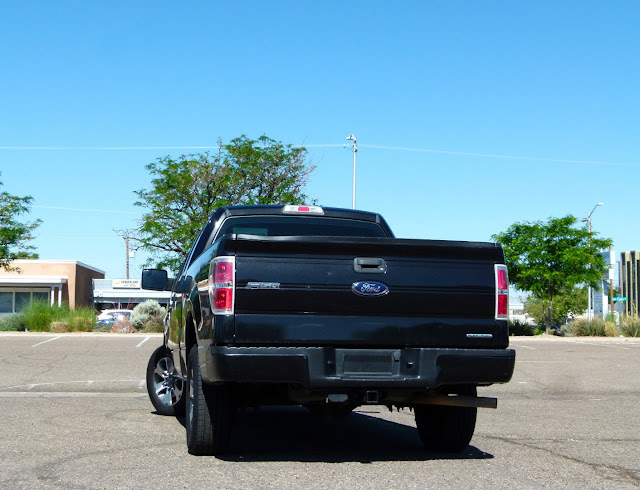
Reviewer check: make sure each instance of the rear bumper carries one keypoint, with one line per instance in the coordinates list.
(333, 368)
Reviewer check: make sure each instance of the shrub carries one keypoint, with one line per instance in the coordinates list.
(81, 320)
(40, 315)
(611, 328)
(148, 316)
(101, 328)
(581, 327)
(59, 327)
(13, 323)
(630, 326)
(519, 328)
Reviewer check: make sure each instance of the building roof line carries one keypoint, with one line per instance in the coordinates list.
(47, 261)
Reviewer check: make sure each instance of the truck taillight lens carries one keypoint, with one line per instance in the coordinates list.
(223, 271)
(502, 292)
(223, 300)
(222, 282)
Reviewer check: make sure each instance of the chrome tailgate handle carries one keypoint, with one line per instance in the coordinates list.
(369, 265)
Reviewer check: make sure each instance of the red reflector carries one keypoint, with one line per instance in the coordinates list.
(223, 299)
(223, 272)
(502, 279)
(503, 302)
(303, 209)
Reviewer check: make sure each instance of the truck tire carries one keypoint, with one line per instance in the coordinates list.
(208, 412)
(164, 386)
(445, 428)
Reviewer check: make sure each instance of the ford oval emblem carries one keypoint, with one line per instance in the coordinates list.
(369, 288)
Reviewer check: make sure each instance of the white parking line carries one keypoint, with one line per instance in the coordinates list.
(141, 343)
(527, 347)
(87, 383)
(45, 341)
(547, 361)
(599, 344)
(64, 394)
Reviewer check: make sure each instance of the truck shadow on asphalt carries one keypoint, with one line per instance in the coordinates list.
(293, 434)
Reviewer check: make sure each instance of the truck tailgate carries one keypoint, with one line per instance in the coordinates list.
(300, 290)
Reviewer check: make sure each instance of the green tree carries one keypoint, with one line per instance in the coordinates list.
(15, 234)
(551, 258)
(184, 192)
(564, 305)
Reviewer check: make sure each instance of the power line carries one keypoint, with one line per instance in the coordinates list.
(332, 145)
(127, 148)
(90, 210)
(505, 157)
(93, 148)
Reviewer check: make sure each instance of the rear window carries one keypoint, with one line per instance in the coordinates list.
(300, 226)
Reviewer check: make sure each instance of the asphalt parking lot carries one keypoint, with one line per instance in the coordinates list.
(75, 414)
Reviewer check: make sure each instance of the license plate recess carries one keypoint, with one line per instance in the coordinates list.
(367, 362)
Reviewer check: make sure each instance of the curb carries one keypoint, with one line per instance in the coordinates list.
(555, 338)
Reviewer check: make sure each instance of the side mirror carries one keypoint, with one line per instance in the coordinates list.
(155, 279)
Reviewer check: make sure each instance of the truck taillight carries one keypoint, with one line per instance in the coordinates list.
(222, 282)
(502, 292)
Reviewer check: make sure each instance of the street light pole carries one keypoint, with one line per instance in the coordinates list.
(588, 220)
(351, 137)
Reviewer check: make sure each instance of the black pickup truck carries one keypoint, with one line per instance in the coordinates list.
(324, 308)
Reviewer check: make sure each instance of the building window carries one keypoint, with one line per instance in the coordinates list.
(18, 300)
(41, 296)
(6, 302)
(22, 298)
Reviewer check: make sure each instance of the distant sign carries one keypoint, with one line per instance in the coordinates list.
(126, 283)
(619, 298)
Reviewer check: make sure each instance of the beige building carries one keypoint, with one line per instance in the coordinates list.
(57, 281)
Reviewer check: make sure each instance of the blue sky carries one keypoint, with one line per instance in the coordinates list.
(469, 115)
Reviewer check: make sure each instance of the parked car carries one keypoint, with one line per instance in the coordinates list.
(109, 317)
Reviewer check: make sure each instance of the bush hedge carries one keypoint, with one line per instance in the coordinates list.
(40, 315)
(520, 328)
(13, 323)
(597, 327)
(148, 317)
(630, 326)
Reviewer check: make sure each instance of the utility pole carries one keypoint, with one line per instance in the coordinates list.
(126, 240)
(351, 137)
(129, 253)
